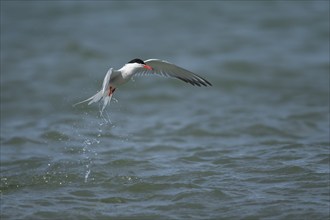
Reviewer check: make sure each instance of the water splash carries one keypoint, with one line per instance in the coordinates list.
(89, 155)
(87, 173)
(105, 118)
(88, 143)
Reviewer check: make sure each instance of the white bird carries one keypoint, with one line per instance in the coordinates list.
(115, 78)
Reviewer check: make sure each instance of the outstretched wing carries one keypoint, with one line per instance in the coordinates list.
(164, 68)
(106, 81)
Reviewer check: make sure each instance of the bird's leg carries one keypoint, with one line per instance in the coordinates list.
(111, 90)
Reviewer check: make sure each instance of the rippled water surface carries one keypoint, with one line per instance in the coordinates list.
(255, 145)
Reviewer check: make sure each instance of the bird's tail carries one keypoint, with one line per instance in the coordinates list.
(95, 98)
(105, 93)
(106, 96)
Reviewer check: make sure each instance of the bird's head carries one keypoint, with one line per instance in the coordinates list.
(138, 63)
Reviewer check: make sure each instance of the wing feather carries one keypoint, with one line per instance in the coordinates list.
(106, 81)
(167, 69)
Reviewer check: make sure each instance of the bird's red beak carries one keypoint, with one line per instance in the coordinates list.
(147, 67)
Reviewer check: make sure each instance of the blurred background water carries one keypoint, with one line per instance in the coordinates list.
(253, 146)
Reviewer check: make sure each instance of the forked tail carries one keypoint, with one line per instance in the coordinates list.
(106, 96)
(105, 93)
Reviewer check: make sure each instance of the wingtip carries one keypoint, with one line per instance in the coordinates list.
(210, 84)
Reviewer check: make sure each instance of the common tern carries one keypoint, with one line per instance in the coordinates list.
(114, 78)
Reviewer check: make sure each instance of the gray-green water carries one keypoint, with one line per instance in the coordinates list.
(253, 146)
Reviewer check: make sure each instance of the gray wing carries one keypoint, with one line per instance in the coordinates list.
(164, 68)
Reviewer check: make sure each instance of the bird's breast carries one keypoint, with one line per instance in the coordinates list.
(118, 79)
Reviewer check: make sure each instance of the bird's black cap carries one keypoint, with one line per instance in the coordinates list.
(136, 60)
